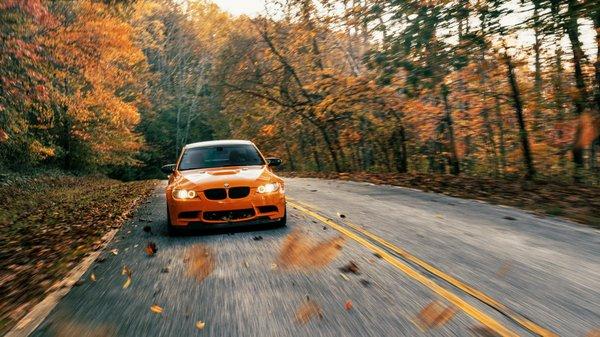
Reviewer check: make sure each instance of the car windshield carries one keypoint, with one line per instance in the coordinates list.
(220, 156)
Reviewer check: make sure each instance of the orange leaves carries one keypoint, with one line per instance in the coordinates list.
(589, 130)
(435, 314)
(298, 251)
(200, 262)
(307, 311)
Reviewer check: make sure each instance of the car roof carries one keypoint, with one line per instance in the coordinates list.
(218, 143)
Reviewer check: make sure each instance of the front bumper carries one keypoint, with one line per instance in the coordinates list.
(253, 209)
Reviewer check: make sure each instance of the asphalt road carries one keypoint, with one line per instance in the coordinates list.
(508, 270)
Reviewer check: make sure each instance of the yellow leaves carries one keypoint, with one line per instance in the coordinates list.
(268, 130)
(200, 325)
(156, 309)
(40, 150)
(127, 273)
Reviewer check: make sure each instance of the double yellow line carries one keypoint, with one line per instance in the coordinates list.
(449, 296)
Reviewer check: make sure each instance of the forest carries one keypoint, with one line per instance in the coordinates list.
(493, 88)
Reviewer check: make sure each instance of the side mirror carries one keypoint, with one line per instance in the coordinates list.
(274, 161)
(168, 169)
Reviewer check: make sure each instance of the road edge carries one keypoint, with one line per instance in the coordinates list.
(40, 311)
(28, 323)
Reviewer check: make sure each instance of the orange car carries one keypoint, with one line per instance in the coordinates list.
(223, 183)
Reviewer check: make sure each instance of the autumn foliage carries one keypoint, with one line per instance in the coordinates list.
(460, 87)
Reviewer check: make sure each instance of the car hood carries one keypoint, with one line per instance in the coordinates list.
(252, 176)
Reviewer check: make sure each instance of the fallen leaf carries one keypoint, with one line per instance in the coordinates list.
(200, 325)
(156, 309)
(273, 266)
(200, 262)
(115, 251)
(377, 255)
(365, 283)
(435, 314)
(351, 267)
(348, 305)
(127, 283)
(344, 277)
(151, 249)
(341, 215)
(93, 277)
(299, 251)
(307, 311)
(126, 272)
(593, 333)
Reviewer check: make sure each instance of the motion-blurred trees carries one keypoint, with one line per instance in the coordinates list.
(476, 87)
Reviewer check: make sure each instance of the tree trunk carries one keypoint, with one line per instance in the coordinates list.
(579, 101)
(518, 104)
(454, 163)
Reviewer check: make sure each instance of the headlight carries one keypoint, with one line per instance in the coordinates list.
(184, 194)
(268, 188)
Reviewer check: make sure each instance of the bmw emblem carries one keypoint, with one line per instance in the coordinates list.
(226, 185)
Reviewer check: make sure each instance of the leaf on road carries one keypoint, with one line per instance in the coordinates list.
(593, 333)
(115, 251)
(344, 277)
(151, 249)
(436, 314)
(307, 311)
(156, 309)
(483, 331)
(351, 267)
(93, 277)
(377, 255)
(298, 251)
(200, 262)
(126, 272)
(200, 325)
(341, 215)
(348, 305)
